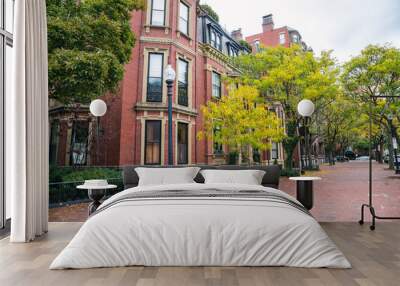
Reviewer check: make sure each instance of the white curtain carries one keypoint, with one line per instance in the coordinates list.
(27, 122)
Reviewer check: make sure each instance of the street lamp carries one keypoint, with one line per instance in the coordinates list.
(169, 75)
(394, 143)
(98, 108)
(306, 109)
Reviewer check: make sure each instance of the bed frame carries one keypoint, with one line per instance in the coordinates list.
(270, 179)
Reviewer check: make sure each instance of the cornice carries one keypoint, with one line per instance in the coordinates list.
(168, 41)
(152, 106)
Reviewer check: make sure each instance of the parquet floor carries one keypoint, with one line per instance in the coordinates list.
(375, 257)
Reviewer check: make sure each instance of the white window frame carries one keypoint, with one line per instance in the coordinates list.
(164, 13)
(181, 18)
(282, 38)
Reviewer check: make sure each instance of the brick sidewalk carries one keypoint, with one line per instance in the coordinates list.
(338, 196)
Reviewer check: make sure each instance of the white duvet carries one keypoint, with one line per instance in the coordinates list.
(200, 231)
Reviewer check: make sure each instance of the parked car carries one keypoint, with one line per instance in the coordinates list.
(362, 158)
(342, 159)
(350, 155)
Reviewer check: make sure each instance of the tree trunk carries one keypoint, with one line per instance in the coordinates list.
(250, 152)
(240, 155)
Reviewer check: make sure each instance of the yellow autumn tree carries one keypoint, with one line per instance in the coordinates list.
(243, 121)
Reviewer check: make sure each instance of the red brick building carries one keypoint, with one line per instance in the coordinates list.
(134, 129)
(273, 37)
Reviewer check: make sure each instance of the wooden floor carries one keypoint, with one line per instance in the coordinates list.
(375, 257)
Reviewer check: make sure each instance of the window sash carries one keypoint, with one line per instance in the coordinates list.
(216, 85)
(183, 72)
(183, 18)
(282, 38)
(157, 12)
(152, 145)
(183, 143)
(217, 147)
(155, 77)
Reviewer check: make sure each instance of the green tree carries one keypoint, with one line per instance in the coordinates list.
(376, 72)
(289, 75)
(210, 11)
(245, 44)
(89, 42)
(243, 121)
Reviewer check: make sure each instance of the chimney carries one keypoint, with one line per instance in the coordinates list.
(267, 23)
(237, 35)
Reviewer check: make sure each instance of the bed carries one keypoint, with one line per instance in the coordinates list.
(201, 224)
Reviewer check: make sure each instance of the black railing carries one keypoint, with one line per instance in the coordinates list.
(66, 193)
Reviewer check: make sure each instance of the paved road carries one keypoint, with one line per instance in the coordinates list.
(338, 196)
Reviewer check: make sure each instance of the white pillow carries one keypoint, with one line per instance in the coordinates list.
(248, 177)
(166, 176)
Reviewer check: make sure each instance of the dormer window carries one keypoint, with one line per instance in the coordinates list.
(215, 39)
(295, 38)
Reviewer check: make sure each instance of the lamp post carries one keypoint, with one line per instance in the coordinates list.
(306, 109)
(98, 108)
(394, 143)
(169, 75)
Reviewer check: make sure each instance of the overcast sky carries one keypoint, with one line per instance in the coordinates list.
(346, 26)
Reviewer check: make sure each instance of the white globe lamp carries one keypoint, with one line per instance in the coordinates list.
(306, 108)
(169, 73)
(98, 107)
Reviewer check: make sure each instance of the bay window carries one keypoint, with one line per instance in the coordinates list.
(152, 148)
(155, 77)
(158, 12)
(183, 18)
(183, 143)
(183, 70)
(216, 85)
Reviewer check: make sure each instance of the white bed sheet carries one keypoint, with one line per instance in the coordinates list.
(200, 232)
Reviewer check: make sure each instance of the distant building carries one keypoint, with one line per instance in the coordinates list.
(273, 37)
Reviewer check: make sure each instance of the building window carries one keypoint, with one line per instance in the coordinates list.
(158, 13)
(282, 38)
(152, 153)
(183, 143)
(232, 51)
(295, 38)
(155, 77)
(54, 139)
(79, 144)
(257, 46)
(6, 66)
(183, 18)
(216, 85)
(274, 151)
(213, 38)
(183, 71)
(217, 147)
(218, 43)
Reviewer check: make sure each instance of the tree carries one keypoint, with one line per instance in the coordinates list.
(288, 75)
(210, 11)
(245, 44)
(243, 120)
(89, 43)
(376, 72)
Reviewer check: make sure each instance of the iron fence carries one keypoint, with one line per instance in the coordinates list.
(66, 193)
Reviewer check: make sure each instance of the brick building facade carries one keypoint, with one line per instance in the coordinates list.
(134, 129)
(273, 37)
